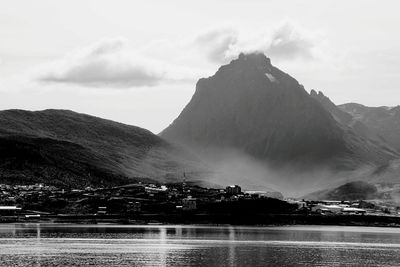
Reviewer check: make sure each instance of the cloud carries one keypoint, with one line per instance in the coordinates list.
(217, 43)
(110, 64)
(289, 41)
(285, 41)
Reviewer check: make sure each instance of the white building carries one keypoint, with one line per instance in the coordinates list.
(9, 210)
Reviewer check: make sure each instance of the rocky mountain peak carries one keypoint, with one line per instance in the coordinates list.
(251, 64)
(314, 93)
(255, 58)
(253, 107)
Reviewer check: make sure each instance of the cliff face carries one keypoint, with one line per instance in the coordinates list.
(251, 106)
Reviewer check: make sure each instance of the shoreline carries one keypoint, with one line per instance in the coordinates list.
(215, 220)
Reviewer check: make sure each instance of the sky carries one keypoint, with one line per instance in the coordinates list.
(137, 62)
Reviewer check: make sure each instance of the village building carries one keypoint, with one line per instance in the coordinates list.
(189, 203)
(233, 190)
(9, 210)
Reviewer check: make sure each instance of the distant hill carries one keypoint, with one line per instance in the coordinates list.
(358, 190)
(71, 149)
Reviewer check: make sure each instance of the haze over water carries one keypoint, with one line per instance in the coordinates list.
(117, 245)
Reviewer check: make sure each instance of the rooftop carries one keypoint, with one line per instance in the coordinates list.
(9, 208)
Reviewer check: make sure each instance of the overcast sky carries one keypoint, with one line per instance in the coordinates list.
(137, 62)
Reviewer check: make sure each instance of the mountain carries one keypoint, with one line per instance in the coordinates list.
(253, 107)
(382, 121)
(66, 148)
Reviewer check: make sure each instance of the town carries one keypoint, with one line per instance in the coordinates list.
(179, 203)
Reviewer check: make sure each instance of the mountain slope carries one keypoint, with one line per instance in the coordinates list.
(355, 126)
(64, 147)
(338, 114)
(251, 106)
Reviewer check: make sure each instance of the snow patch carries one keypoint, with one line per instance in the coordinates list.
(271, 77)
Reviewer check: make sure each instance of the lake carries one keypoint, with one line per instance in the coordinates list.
(159, 245)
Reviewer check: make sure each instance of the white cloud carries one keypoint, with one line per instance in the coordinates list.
(289, 41)
(110, 64)
(284, 41)
(217, 43)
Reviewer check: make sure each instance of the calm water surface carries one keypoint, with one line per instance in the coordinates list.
(114, 245)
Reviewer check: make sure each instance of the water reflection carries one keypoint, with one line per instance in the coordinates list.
(232, 256)
(110, 245)
(163, 249)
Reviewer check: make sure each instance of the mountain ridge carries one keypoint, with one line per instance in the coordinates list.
(382, 121)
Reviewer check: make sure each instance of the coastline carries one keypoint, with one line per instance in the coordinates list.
(216, 220)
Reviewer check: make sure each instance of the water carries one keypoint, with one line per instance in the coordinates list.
(115, 245)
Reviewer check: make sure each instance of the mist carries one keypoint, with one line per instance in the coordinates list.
(230, 166)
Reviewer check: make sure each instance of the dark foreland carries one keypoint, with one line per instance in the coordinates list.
(182, 203)
(249, 124)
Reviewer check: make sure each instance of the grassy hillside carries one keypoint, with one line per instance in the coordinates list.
(64, 147)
